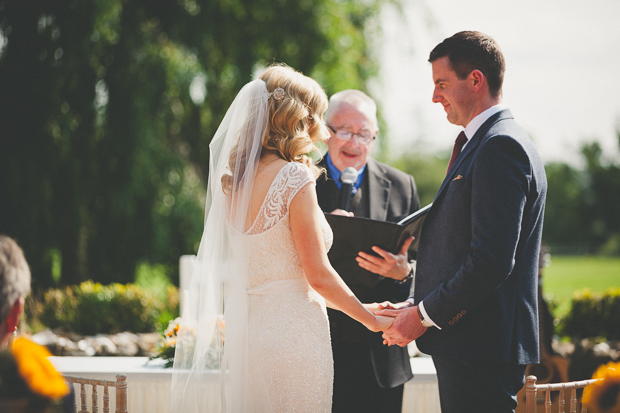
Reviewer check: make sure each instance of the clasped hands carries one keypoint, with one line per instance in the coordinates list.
(399, 322)
(405, 326)
(396, 266)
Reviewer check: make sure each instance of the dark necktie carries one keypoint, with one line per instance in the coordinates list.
(458, 145)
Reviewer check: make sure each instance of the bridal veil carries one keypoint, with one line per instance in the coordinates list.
(201, 359)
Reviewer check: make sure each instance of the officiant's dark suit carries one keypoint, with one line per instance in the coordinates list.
(476, 279)
(368, 376)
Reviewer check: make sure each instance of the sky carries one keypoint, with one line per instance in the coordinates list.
(561, 81)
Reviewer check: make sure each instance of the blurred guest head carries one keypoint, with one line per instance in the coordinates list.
(14, 286)
(352, 121)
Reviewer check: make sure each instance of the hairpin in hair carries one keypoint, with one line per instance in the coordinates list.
(279, 94)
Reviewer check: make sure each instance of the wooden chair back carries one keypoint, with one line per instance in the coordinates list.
(531, 390)
(121, 393)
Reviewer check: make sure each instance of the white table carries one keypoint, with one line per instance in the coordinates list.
(149, 384)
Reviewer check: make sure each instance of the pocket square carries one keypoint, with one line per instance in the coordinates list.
(458, 177)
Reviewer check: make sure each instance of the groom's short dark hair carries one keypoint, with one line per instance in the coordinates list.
(470, 50)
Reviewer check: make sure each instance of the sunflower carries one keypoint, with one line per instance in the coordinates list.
(36, 370)
(604, 396)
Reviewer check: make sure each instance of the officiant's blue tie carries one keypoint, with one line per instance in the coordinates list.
(458, 145)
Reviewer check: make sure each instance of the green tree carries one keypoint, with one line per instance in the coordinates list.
(107, 108)
(429, 170)
(565, 223)
(581, 211)
(602, 197)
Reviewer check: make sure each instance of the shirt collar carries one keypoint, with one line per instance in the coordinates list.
(474, 124)
(335, 174)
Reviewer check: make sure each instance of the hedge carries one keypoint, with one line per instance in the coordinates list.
(91, 308)
(593, 315)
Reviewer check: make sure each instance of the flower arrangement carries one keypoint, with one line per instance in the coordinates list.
(28, 381)
(167, 343)
(604, 396)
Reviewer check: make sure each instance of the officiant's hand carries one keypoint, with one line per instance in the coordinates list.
(342, 212)
(395, 266)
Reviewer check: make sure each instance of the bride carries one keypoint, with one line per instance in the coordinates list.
(264, 248)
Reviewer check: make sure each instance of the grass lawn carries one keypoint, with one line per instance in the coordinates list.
(567, 274)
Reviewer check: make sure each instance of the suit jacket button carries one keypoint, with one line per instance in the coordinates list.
(463, 312)
(451, 322)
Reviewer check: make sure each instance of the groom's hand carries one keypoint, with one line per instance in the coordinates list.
(406, 327)
(395, 266)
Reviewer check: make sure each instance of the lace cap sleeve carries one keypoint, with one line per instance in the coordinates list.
(297, 176)
(291, 178)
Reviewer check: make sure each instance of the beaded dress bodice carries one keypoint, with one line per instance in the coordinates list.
(291, 365)
(271, 248)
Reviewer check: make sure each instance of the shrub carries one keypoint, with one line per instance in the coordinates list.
(594, 315)
(92, 308)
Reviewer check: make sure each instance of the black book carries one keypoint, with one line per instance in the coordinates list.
(355, 234)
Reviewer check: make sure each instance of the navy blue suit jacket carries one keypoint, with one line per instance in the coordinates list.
(478, 251)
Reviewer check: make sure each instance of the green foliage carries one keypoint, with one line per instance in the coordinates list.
(593, 315)
(153, 278)
(565, 203)
(172, 307)
(108, 107)
(581, 211)
(92, 308)
(428, 171)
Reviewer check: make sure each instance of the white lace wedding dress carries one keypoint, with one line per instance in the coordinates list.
(290, 357)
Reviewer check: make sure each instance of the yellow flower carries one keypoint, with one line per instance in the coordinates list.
(604, 396)
(37, 371)
(170, 342)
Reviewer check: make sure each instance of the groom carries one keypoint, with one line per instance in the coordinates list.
(474, 308)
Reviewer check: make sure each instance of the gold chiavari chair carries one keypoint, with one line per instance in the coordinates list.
(532, 389)
(121, 393)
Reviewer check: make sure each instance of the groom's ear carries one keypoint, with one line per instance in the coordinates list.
(477, 79)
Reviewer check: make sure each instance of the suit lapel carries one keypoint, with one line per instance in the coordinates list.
(323, 188)
(378, 191)
(472, 145)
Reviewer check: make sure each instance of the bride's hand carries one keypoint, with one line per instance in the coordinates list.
(372, 307)
(381, 323)
(386, 305)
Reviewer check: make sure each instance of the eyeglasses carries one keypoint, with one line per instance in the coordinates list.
(363, 136)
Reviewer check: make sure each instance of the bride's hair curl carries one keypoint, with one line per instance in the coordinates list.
(295, 122)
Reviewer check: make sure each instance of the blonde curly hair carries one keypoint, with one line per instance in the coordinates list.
(295, 123)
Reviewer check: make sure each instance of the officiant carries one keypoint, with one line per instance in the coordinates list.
(367, 375)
